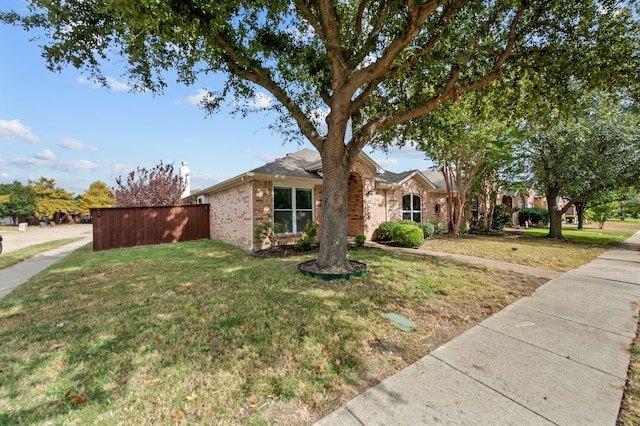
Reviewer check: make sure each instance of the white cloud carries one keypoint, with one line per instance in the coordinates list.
(116, 85)
(199, 98)
(75, 166)
(30, 162)
(261, 101)
(14, 129)
(47, 159)
(111, 83)
(74, 144)
(46, 155)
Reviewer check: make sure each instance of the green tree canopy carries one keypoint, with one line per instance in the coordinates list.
(345, 74)
(51, 200)
(97, 195)
(583, 159)
(17, 200)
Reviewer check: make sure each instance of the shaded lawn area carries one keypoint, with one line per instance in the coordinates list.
(530, 247)
(201, 332)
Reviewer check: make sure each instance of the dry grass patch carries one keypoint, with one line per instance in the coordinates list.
(201, 332)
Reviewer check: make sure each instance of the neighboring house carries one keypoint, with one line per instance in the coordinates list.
(288, 192)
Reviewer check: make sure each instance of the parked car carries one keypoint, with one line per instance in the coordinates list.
(0, 244)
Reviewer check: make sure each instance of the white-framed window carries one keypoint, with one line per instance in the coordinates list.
(412, 207)
(292, 209)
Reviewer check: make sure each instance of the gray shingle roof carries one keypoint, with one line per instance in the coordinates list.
(391, 178)
(292, 165)
(435, 177)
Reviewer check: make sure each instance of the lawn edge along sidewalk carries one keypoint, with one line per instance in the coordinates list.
(559, 356)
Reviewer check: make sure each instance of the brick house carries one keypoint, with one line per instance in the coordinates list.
(288, 192)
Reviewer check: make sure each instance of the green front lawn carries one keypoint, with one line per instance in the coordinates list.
(203, 333)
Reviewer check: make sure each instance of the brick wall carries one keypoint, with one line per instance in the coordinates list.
(231, 215)
(386, 205)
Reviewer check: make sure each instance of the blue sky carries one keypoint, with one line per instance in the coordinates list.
(63, 126)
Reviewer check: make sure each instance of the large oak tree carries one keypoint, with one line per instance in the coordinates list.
(368, 66)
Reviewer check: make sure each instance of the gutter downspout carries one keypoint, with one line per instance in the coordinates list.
(386, 206)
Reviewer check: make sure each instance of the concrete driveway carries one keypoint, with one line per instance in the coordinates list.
(36, 235)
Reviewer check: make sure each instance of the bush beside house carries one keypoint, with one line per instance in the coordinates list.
(534, 215)
(389, 232)
(407, 235)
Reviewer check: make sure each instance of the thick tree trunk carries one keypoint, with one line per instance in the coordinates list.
(581, 206)
(555, 216)
(332, 257)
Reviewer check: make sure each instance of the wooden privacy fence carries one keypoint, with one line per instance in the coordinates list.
(139, 226)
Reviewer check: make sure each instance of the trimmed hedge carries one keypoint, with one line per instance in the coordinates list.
(407, 235)
(427, 229)
(535, 214)
(385, 230)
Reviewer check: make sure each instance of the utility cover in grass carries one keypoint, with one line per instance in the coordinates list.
(403, 323)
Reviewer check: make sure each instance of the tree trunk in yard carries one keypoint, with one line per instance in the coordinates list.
(581, 206)
(332, 257)
(555, 216)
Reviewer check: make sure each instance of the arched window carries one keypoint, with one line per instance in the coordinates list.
(412, 207)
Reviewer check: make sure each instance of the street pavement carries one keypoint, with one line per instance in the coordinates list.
(558, 357)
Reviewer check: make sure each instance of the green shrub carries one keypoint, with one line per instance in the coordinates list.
(427, 229)
(500, 217)
(408, 222)
(535, 214)
(407, 235)
(438, 228)
(359, 240)
(262, 233)
(385, 230)
(309, 239)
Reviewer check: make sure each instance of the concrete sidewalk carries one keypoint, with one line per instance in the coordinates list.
(558, 357)
(23, 271)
